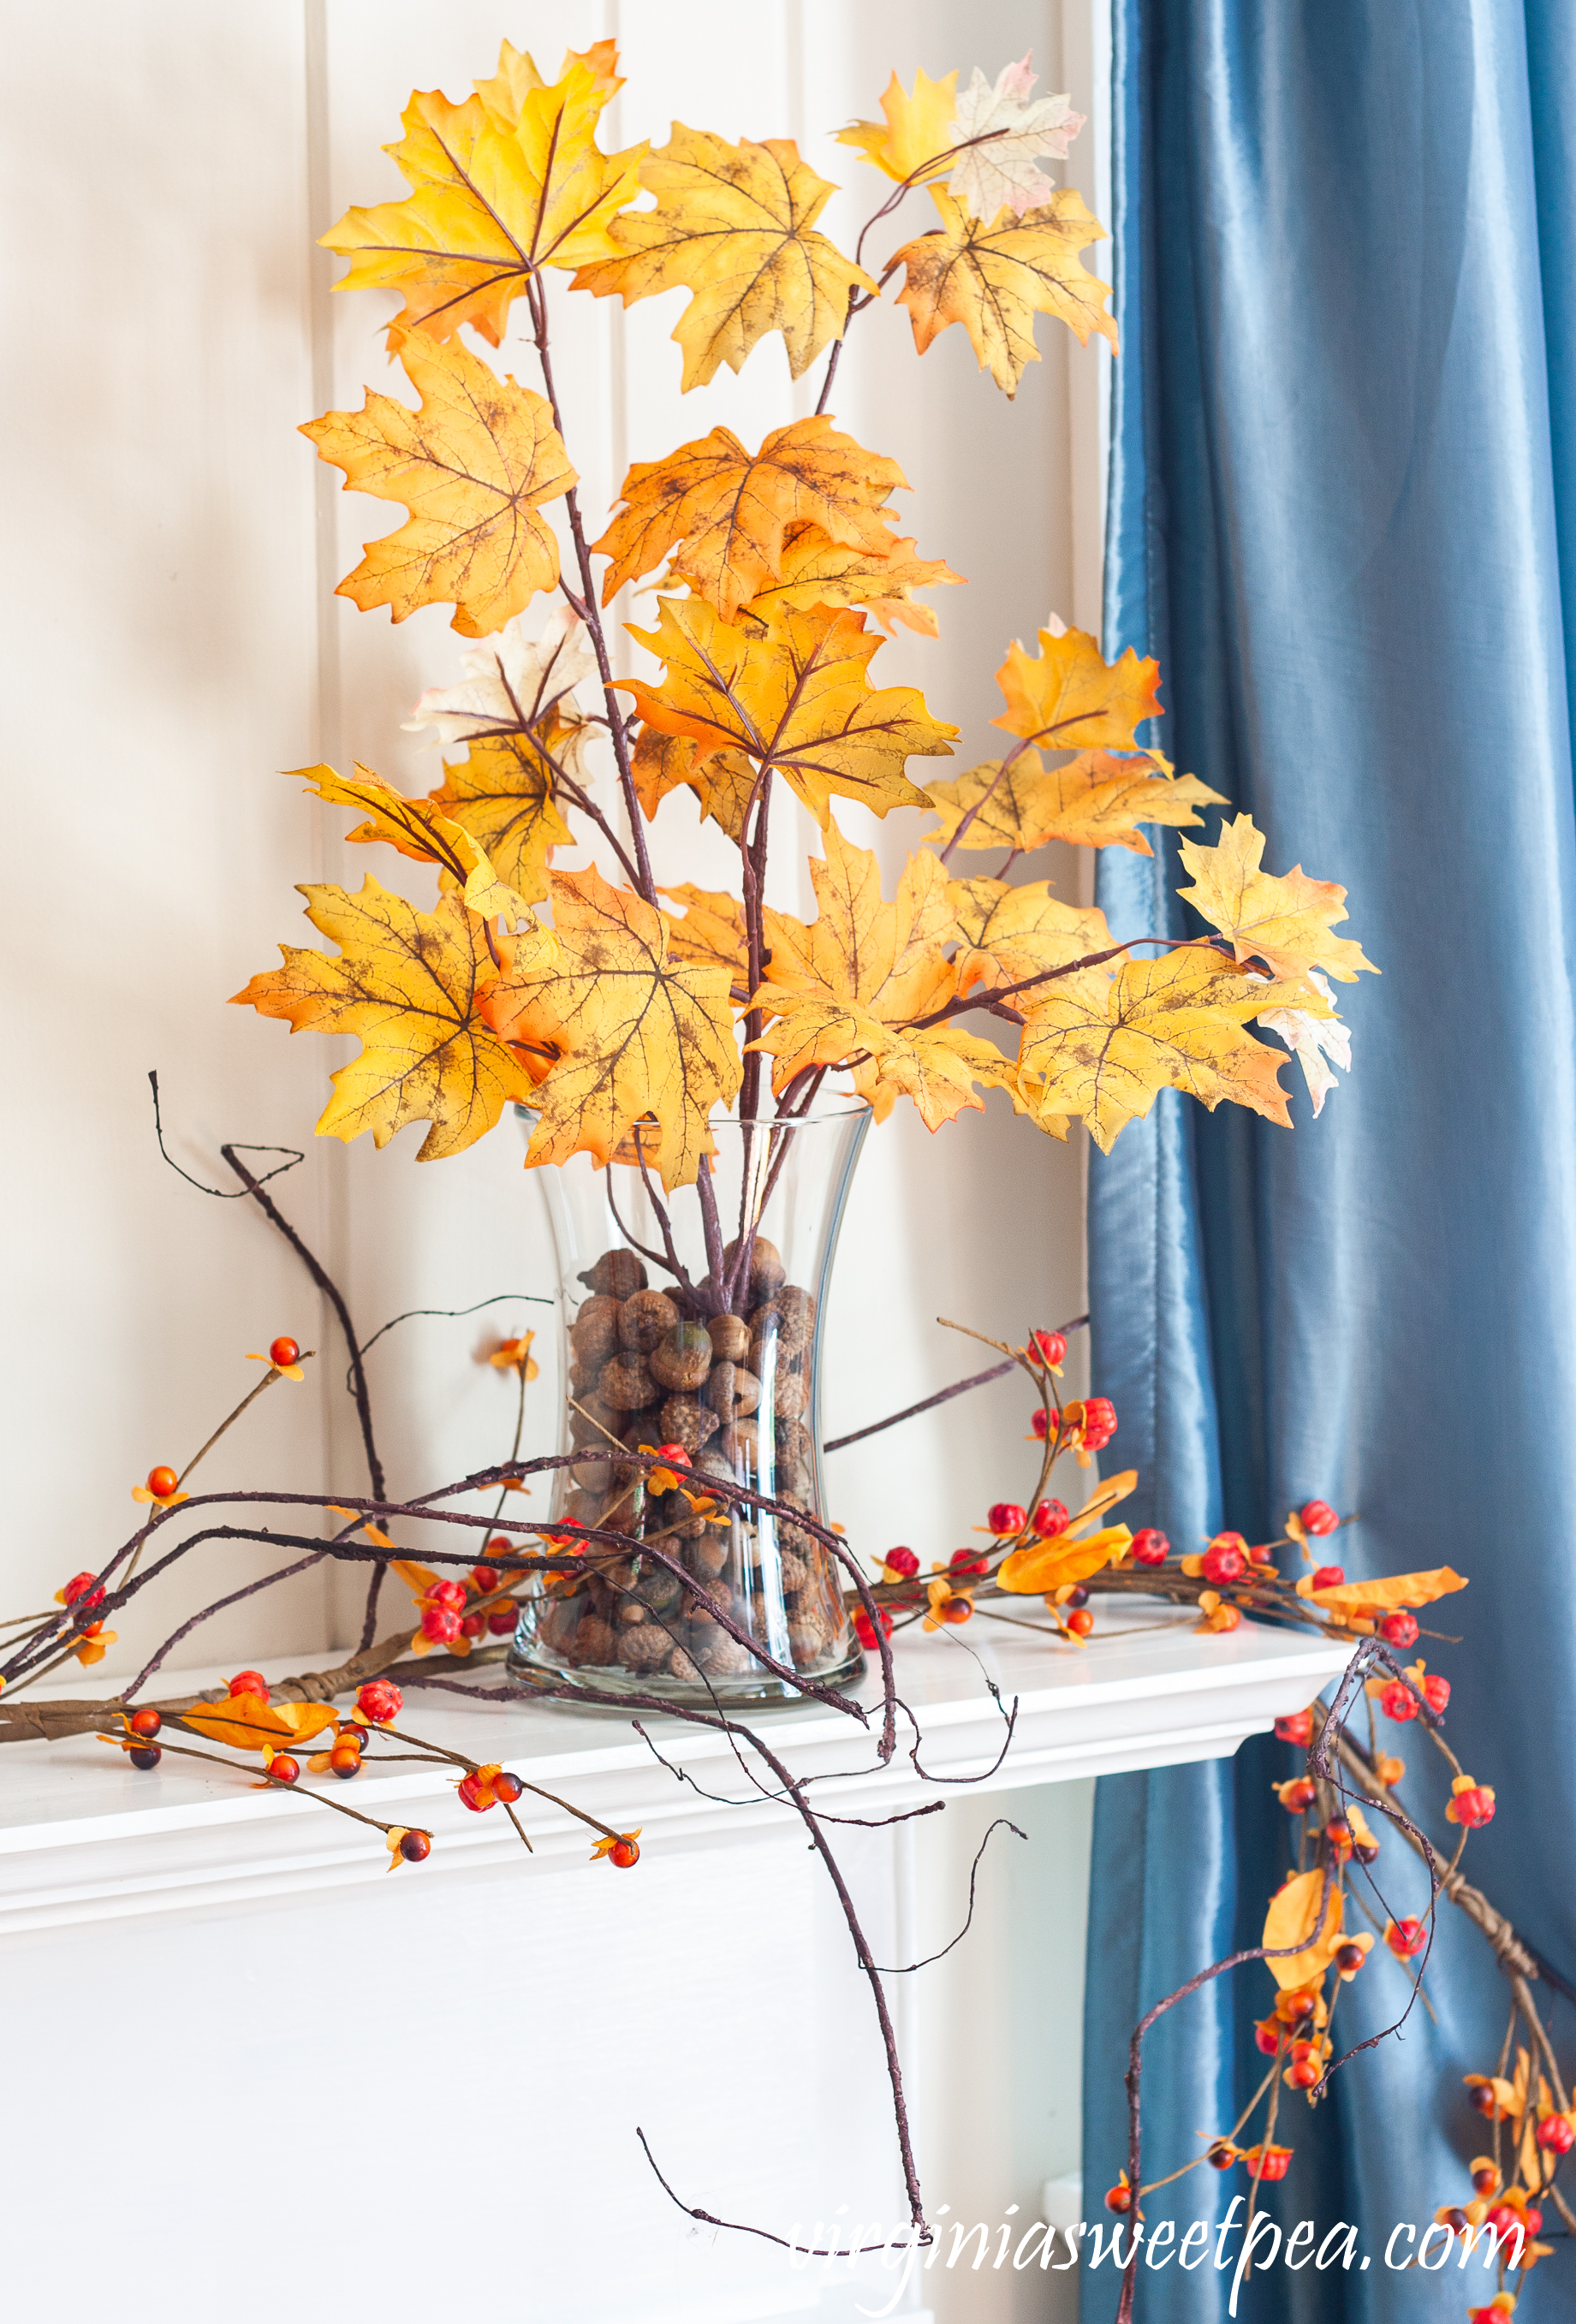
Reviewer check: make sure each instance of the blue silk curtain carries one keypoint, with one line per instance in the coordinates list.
(1343, 515)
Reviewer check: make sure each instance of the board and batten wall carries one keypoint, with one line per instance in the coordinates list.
(173, 643)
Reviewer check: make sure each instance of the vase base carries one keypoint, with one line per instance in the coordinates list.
(589, 1684)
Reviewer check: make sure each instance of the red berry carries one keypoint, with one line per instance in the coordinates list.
(1503, 2218)
(1266, 2035)
(1150, 1548)
(1296, 1729)
(1049, 1519)
(1534, 2221)
(677, 1454)
(1556, 2133)
(1338, 1832)
(1081, 1622)
(1119, 2197)
(901, 1562)
(1407, 1937)
(1350, 1959)
(1041, 1423)
(1304, 2073)
(471, 1791)
(507, 1787)
(351, 1732)
(1398, 1702)
(486, 1578)
(1435, 1690)
(1005, 1517)
(147, 1756)
(1399, 1629)
(1297, 2007)
(864, 1629)
(415, 1846)
(1050, 1347)
(79, 1587)
(957, 1609)
(161, 1482)
(1484, 2102)
(1078, 1595)
(145, 1722)
(501, 1621)
(283, 1351)
(1329, 1577)
(1299, 1794)
(1226, 1560)
(1223, 2155)
(440, 1624)
(473, 1626)
(1474, 1807)
(1099, 1422)
(1486, 2181)
(250, 1682)
(451, 1594)
(624, 1853)
(968, 1561)
(1318, 1518)
(283, 1769)
(1269, 2162)
(497, 1544)
(344, 1759)
(1456, 2218)
(380, 1700)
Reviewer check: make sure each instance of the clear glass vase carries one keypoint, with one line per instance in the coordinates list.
(726, 1361)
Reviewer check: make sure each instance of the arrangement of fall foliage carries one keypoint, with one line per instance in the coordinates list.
(625, 1023)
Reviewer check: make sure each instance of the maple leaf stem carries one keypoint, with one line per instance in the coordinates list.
(591, 613)
(983, 801)
(987, 997)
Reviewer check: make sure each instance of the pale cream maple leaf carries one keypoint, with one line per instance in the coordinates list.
(1004, 172)
(1311, 1041)
(511, 681)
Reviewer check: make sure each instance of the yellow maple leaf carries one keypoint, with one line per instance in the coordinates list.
(733, 226)
(724, 781)
(936, 1066)
(247, 1722)
(886, 958)
(418, 829)
(408, 983)
(510, 181)
(915, 141)
(712, 930)
(995, 278)
(1359, 1598)
(502, 793)
(794, 696)
(518, 74)
(725, 510)
(1097, 799)
(817, 571)
(1285, 922)
(1068, 697)
(472, 465)
(1106, 1052)
(1011, 933)
(640, 1032)
(1294, 1916)
(1039, 1566)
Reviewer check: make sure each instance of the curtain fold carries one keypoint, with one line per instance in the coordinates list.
(1343, 515)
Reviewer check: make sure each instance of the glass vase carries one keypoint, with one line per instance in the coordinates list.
(663, 1346)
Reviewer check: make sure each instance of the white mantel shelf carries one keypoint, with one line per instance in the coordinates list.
(85, 1837)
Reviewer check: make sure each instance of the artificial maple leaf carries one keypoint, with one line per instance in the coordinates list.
(247, 1722)
(1041, 1566)
(994, 279)
(712, 930)
(1285, 922)
(641, 1032)
(1300, 1915)
(501, 794)
(733, 226)
(729, 509)
(1392, 1590)
(408, 983)
(1011, 933)
(472, 465)
(724, 781)
(1097, 799)
(916, 140)
(937, 1067)
(1106, 1052)
(418, 829)
(1004, 130)
(518, 74)
(885, 958)
(1313, 1041)
(1068, 697)
(492, 199)
(793, 695)
(817, 571)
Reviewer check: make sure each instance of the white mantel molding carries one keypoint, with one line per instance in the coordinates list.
(86, 1838)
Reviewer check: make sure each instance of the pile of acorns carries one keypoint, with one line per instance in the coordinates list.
(647, 1369)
